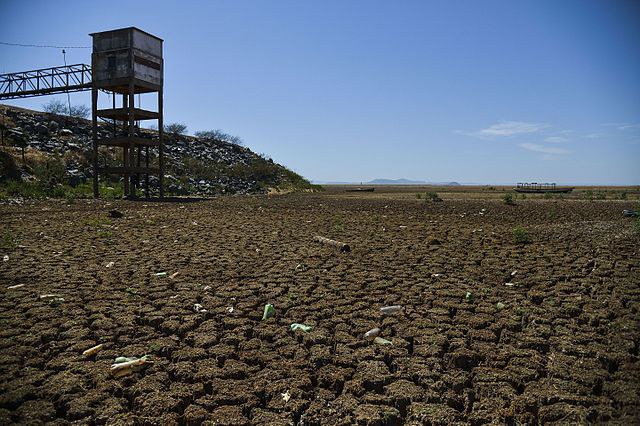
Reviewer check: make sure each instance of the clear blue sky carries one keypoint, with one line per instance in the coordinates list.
(472, 91)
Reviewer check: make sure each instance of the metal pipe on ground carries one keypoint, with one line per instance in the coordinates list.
(343, 247)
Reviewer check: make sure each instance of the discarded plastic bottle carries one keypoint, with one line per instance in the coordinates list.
(269, 311)
(391, 309)
(124, 366)
(468, 297)
(372, 334)
(381, 341)
(306, 328)
(93, 350)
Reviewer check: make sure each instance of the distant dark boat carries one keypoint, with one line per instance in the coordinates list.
(542, 188)
(361, 189)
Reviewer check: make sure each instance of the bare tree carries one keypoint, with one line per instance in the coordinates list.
(81, 111)
(55, 106)
(219, 135)
(176, 128)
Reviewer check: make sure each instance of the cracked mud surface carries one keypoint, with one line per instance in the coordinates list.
(563, 349)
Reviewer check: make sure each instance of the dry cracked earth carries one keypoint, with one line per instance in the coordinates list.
(564, 347)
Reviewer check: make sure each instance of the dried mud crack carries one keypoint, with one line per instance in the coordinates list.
(562, 348)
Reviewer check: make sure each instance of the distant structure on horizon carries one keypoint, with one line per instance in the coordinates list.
(534, 187)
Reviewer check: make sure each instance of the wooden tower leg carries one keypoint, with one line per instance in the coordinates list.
(125, 157)
(146, 177)
(131, 133)
(138, 166)
(94, 135)
(161, 143)
(125, 163)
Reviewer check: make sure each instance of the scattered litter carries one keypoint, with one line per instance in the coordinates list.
(195, 223)
(403, 226)
(306, 328)
(269, 311)
(160, 274)
(115, 214)
(391, 309)
(11, 287)
(175, 274)
(436, 275)
(94, 350)
(110, 264)
(509, 284)
(199, 309)
(513, 274)
(299, 267)
(468, 297)
(344, 248)
(175, 296)
(5, 258)
(206, 287)
(499, 306)
(381, 341)
(49, 296)
(286, 396)
(630, 213)
(372, 334)
(230, 309)
(124, 366)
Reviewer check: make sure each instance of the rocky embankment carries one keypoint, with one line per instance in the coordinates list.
(194, 165)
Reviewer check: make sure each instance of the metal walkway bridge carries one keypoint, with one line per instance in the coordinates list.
(46, 81)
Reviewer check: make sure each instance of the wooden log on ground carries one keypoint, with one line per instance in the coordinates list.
(343, 247)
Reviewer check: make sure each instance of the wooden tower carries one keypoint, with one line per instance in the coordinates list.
(126, 62)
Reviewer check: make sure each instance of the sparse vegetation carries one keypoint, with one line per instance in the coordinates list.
(521, 236)
(508, 199)
(175, 128)
(219, 135)
(56, 106)
(41, 190)
(433, 196)
(8, 241)
(261, 170)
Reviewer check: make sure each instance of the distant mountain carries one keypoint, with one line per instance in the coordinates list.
(396, 182)
(389, 182)
(444, 183)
